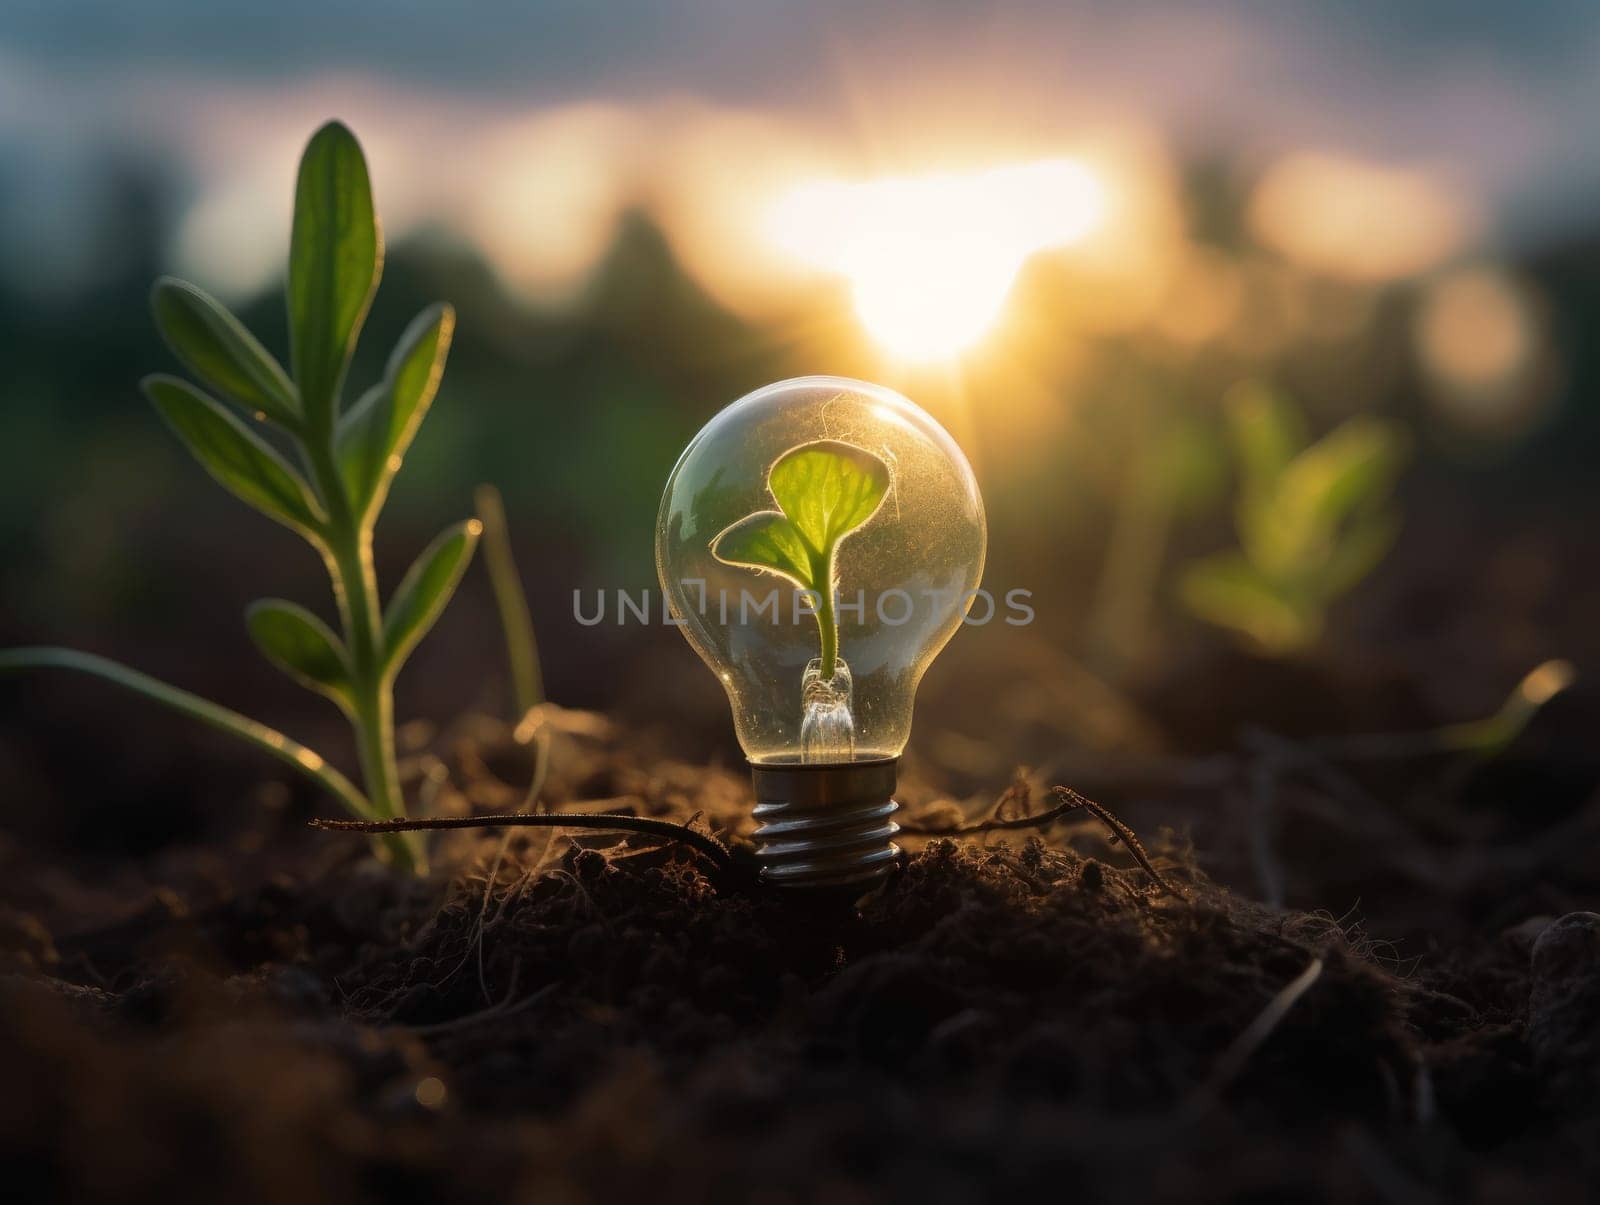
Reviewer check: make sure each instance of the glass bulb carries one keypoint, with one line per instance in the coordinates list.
(819, 542)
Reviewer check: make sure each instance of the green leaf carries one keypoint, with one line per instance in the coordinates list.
(235, 455)
(426, 588)
(1359, 550)
(828, 489)
(1493, 735)
(301, 645)
(1268, 432)
(767, 540)
(216, 347)
(267, 739)
(1352, 466)
(522, 648)
(1275, 537)
(1293, 531)
(335, 256)
(1227, 591)
(375, 433)
(1185, 465)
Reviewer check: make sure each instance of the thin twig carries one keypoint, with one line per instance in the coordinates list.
(702, 843)
(1277, 760)
(483, 910)
(1250, 1040)
(496, 1012)
(1071, 801)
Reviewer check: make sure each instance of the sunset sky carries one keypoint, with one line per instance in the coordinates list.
(502, 116)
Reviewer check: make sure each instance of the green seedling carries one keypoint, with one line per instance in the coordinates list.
(516, 623)
(1313, 520)
(1483, 738)
(522, 649)
(824, 491)
(347, 458)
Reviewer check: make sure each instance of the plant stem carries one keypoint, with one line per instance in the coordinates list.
(702, 842)
(1140, 529)
(355, 588)
(522, 650)
(827, 622)
(1068, 801)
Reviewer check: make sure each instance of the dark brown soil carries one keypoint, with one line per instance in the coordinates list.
(1012, 1017)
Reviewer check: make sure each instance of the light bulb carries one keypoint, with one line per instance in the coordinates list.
(819, 542)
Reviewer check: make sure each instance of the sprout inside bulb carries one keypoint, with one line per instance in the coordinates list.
(819, 543)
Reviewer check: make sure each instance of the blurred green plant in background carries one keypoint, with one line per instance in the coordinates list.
(1169, 470)
(1313, 520)
(349, 457)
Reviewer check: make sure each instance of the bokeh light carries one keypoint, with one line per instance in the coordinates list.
(1358, 220)
(1480, 341)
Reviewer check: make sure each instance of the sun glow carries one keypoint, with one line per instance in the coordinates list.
(931, 258)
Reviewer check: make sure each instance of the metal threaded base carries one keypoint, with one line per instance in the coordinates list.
(826, 826)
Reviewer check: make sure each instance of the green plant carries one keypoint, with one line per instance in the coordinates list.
(522, 649)
(516, 624)
(1313, 520)
(1162, 465)
(348, 456)
(824, 491)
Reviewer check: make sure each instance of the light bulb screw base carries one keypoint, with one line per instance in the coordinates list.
(826, 826)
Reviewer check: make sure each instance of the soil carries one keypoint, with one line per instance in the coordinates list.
(1013, 1016)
